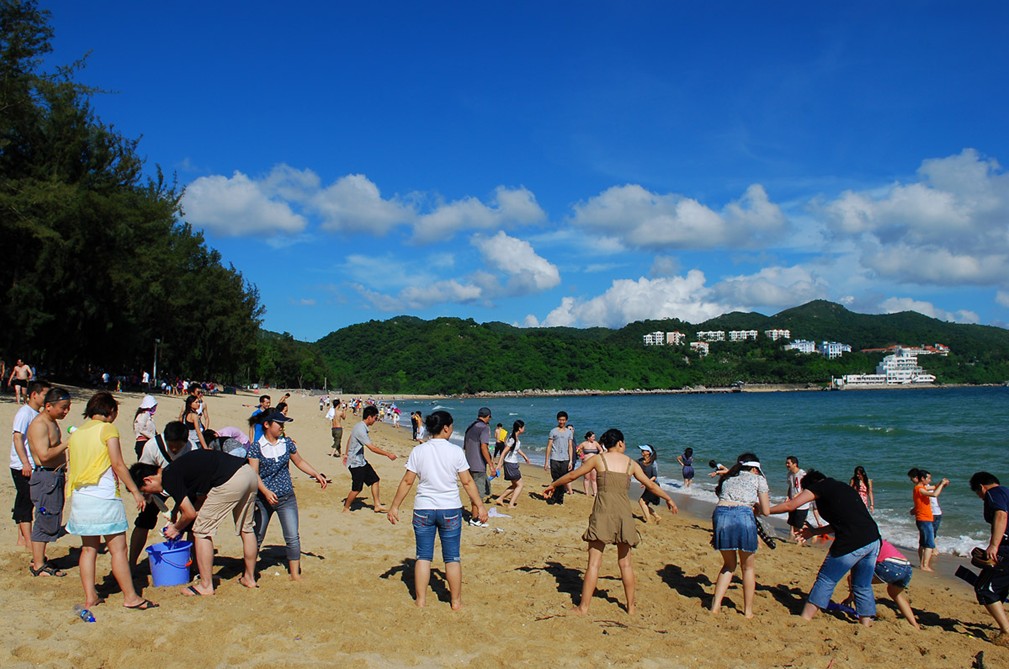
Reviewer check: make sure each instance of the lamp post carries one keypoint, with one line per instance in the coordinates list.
(154, 376)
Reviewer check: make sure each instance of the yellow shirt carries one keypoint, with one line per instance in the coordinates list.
(88, 454)
(501, 435)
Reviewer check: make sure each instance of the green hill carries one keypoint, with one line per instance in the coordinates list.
(450, 355)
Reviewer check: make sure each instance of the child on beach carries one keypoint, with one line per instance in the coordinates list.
(611, 521)
(687, 462)
(647, 463)
(893, 569)
(509, 463)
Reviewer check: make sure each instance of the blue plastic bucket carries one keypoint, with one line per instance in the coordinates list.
(170, 562)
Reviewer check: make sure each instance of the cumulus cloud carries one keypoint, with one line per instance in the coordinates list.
(237, 205)
(626, 300)
(950, 226)
(507, 209)
(510, 267)
(354, 204)
(895, 305)
(1002, 297)
(774, 287)
(647, 220)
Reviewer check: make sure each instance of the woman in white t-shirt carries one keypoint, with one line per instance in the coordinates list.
(509, 463)
(437, 464)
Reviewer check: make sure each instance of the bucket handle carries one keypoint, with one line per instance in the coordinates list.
(164, 558)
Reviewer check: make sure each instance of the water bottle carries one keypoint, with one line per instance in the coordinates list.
(84, 614)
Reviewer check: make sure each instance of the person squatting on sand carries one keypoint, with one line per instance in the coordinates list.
(95, 468)
(437, 464)
(742, 491)
(362, 473)
(270, 458)
(611, 521)
(225, 485)
(855, 548)
(160, 451)
(509, 462)
(992, 585)
(48, 479)
(893, 569)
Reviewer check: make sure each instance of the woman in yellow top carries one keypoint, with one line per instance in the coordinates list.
(95, 467)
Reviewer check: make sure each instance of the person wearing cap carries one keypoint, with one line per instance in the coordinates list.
(855, 548)
(476, 445)
(741, 489)
(219, 485)
(270, 457)
(647, 464)
(143, 423)
(361, 472)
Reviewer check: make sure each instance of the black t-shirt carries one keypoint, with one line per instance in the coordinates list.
(840, 505)
(193, 475)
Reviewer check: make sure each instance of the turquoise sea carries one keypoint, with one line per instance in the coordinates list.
(952, 432)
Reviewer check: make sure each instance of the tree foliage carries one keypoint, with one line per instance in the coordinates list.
(98, 263)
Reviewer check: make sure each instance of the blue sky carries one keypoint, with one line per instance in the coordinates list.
(578, 164)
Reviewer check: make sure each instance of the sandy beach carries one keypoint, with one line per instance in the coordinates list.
(521, 576)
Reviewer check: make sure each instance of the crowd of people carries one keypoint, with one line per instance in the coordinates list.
(211, 472)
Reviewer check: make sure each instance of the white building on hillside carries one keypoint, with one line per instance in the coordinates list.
(833, 349)
(655, 339)
(700, 346)
(900, 368)
(711, 335)
(802, 346)
(742, 335)
(775, 335)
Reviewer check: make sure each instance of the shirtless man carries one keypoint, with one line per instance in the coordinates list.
(21, 374)
(336, 415)
(48, 479)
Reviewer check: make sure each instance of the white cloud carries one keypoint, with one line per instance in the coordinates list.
(774, 287)
(508, 209)
(951, 226)
(647, 220)
(627, 300)
(1002, 297)
(237, 206)
(354, 204)
(895, 305)
(516, 258)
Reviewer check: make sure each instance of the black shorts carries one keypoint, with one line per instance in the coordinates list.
(23, 510)
(797, 518)
(992, 585)
(512, 472)
(650, 497)
(21, 382)
(362, 476)
(148, 518)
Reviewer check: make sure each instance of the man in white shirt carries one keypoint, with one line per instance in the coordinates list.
(796, 518)
(21, 461)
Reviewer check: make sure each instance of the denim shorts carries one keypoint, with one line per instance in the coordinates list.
(936, 521)
(447, 523)
(893, 573)
(735, 529)
(926, 534)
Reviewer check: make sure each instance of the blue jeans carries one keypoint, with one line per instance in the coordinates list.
(861, 562)
(926, 533)
(287, 510)
(448, 525)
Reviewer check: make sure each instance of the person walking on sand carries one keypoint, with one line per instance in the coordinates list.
(49, 478)
(361, 473)
(20, 375)
(143, 423)
(336, 416)
(509, 462)
(742, 491)
(559, 453)
(611, 521)
(95, 469)
(855, 548)
(270, 458)
(647, 463)
(586, 450)
(438, 464)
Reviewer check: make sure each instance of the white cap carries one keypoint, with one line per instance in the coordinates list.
(148, 402)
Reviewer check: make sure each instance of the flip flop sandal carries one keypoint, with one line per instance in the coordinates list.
(145, 605)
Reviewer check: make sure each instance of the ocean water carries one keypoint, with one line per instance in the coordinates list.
(951, 432)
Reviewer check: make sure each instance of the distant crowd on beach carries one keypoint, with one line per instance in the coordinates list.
(197, 475)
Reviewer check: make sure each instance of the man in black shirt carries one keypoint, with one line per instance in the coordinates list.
(207, 486)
